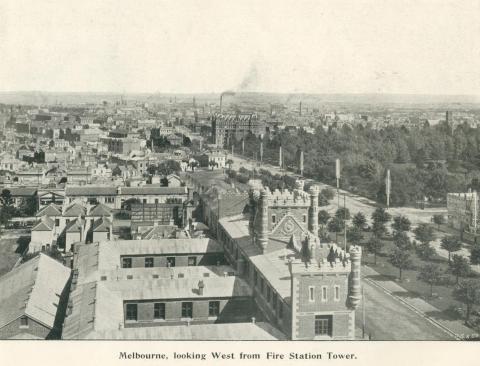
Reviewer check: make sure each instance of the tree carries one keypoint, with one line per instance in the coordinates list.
(6, 198)
(343, 213)
(402, 241)
(28, 206)
(359, 220)
(401, 259)
(401, 223)
(375, 246)
(424, 233)
(354, 235)
(438, 220)
(459, 267)
(325, 196)
(117, 172)
(468, 293)
(323, 217)
(378, 229)
(430, 274)
(475, 254)
(426, 252)
(451, 244)
(229, 162)
(336, 225)
(381, 216)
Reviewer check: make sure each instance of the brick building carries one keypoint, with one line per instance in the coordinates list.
(228, 127)
(33, 299)
(127, 286)
(307, 289)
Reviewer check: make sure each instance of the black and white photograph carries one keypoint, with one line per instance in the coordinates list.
(239, 171)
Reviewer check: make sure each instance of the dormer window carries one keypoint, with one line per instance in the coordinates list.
(274, 219)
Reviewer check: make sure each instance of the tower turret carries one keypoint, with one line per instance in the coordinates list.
(262, 230)
(313, 211)
(355, 291)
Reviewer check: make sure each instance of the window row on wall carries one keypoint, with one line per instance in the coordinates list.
(160, 310)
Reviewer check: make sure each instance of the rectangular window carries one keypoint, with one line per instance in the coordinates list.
(311, 293)
(57, 222)
(148, 262)
(144, 200)
(131, 312)
(156, 201)
(274, 219)
(109, 199)
(187, 310)
(324, 293)
(192, 261)
(170, 261)
(24, 322)
(126, 262)
(213, 308)
(304, 218)
(159, 310)
(337, 293)
(323, 325)
(67, 221)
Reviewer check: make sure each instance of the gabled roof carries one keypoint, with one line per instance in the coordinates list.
(100, 210)
(50, 210)
(45, 224)
(74, 210)
(102, 225)
(33, 289)
(74, 226)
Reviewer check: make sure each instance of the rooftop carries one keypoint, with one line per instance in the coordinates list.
(33, 289)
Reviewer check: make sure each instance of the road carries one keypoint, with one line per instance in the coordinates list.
(388, 319)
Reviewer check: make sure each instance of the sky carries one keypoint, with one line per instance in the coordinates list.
(203, 46)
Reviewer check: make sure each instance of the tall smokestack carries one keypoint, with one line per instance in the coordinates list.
(262, 235)
(355, 293)
(225, 93)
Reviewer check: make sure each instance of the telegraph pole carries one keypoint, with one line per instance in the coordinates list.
(345, 220)
(387, 188)
(363, 312)
(337, 176)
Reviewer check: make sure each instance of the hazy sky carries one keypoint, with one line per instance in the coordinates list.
(376, 46)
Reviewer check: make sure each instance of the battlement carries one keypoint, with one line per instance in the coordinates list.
(279, 198)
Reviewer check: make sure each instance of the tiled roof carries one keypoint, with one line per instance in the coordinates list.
(45, 224)
(22, 191)
(147, 190)
(100, 210)
(220, 332)
(90, 191)
(33, 289)
(74, 210)
(102, 225)
(74, 226)
(50, 210)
